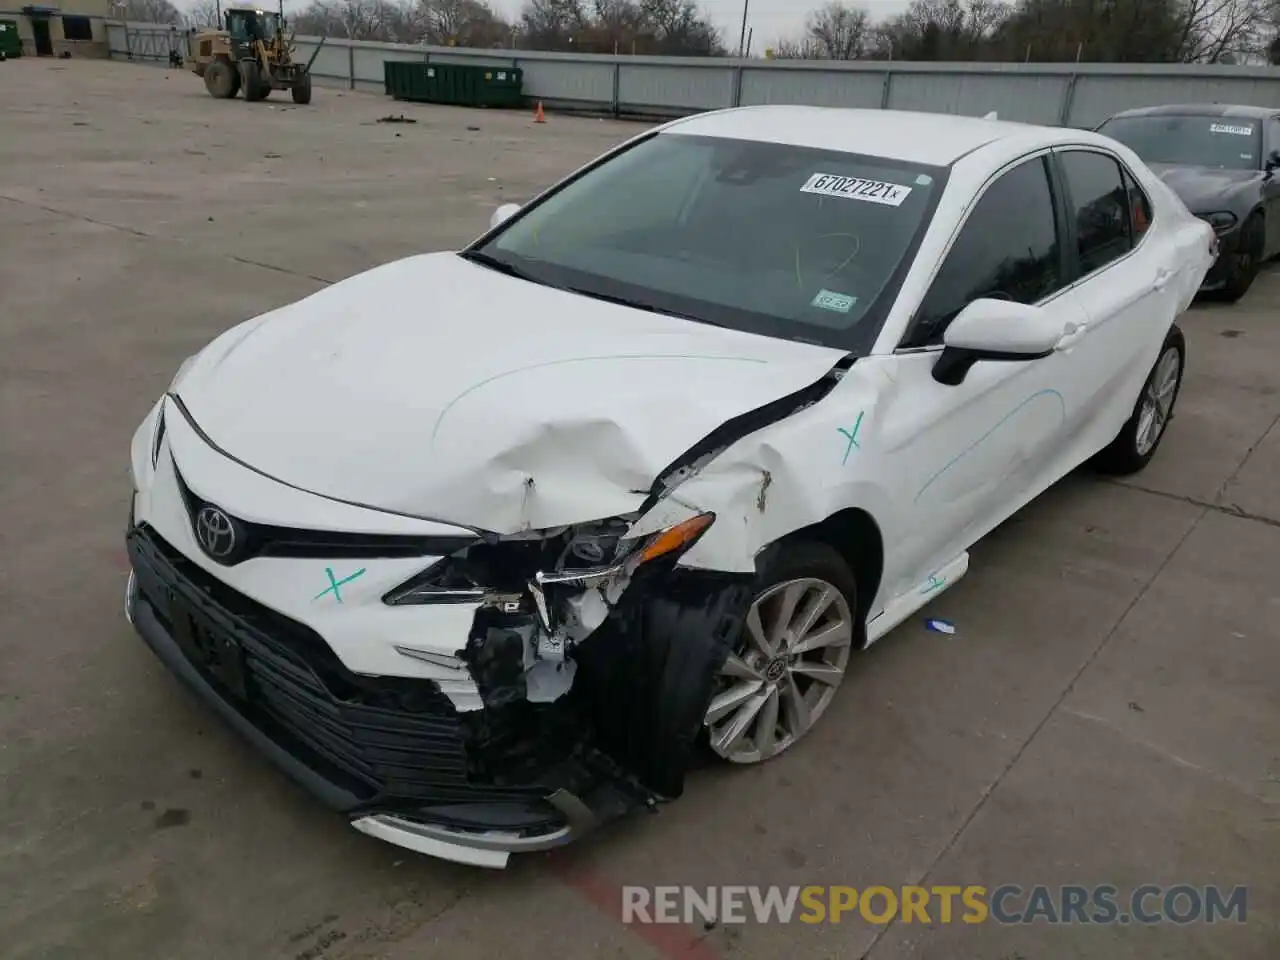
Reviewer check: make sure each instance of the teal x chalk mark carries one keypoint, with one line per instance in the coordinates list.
(335, 584)
(934, 584)
(852, 436)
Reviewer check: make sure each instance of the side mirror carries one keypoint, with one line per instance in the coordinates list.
(503, 214)
(1273, 161)
(995, 330)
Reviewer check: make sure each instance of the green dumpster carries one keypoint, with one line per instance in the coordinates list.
(10, 44)
(462, 85)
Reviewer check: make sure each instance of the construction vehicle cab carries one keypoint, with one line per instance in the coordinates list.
(251, 54)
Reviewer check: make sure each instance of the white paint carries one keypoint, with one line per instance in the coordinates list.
(1002, 326)
(503, 214)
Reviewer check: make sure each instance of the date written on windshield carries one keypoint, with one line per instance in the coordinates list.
(856, 188)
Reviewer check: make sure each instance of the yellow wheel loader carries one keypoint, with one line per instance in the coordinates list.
(250, 53)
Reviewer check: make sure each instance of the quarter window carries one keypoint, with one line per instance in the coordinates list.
(1100, 208)
(1008, 249)
(1139, 208)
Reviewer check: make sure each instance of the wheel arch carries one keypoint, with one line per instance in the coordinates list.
(854, 534)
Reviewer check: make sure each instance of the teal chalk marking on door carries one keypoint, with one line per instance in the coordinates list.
(934, 584)
(852, 436)
(335, 585)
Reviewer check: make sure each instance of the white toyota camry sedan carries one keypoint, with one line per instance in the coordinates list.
(482, 546)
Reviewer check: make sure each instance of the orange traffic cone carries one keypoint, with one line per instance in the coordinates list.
(538, 115)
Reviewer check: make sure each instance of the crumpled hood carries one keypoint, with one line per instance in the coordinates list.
(439, 388)
(1206, 189)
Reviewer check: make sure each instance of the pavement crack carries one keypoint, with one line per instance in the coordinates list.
(78, 216)
(1167, 755)
(152, 236)
(272, 266)
(1054, 707)
(1230, 509)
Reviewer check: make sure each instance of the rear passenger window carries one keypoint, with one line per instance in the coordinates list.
(1008, 249)
(1100, 208)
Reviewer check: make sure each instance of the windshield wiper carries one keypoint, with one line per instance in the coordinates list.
(638, 305)
(502, 266)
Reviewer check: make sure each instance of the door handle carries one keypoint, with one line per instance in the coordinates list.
(1071, 334)
(1163, 277)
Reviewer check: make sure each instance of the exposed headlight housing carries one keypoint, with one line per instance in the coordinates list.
(1221, 221)
(509, 571)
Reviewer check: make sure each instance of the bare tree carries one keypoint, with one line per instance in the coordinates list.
(839, 31)
(1214, 28)
(152, 11)
(204, 13)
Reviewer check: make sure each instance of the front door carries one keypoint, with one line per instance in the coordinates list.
(967, 456)
(40, 30)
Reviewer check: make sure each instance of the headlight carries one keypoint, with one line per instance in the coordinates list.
(183, 368)
(1221, 222)
(501, 572)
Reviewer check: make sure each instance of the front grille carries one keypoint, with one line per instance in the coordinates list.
(386, 740)
(265, 540)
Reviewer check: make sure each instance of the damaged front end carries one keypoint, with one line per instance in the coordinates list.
(600, 635)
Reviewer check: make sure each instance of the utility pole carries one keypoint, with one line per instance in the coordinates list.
(742, 38)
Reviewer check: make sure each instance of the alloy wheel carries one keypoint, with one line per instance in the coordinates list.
(1157, 400)
(792, 655)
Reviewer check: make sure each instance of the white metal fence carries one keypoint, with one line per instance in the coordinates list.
(1080, 95)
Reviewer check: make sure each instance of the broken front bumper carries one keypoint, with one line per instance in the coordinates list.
(396, 757)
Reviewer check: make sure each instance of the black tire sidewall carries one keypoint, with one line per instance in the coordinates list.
(1252, 236)
(1122, 456)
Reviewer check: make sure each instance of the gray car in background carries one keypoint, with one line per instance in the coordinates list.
(1223, 160)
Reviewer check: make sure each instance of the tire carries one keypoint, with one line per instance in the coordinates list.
(786, 693)
(221, 80)
(1133, 447)
(302, 90)
(251, 80)
(1247, 260)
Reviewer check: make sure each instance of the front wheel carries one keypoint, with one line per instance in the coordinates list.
(792, 654)
(251, 80)
(1140, 437)
(302, 90)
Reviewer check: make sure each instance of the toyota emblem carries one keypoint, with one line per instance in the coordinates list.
(215, 532)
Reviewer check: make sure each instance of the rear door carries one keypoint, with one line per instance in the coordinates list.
(1127, 283)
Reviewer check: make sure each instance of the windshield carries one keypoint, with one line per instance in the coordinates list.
(768, 238)
(1227, 143)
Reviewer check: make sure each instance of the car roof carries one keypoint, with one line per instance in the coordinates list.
(937, 139)
(1202, 110)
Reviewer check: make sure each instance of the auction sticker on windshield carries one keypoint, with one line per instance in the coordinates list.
(856, 188)
(1230, 128)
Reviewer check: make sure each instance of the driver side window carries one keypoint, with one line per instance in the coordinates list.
(1008, 249)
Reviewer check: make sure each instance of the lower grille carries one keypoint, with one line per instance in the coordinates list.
(387, 740)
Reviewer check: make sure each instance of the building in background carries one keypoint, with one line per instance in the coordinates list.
(56, 28)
